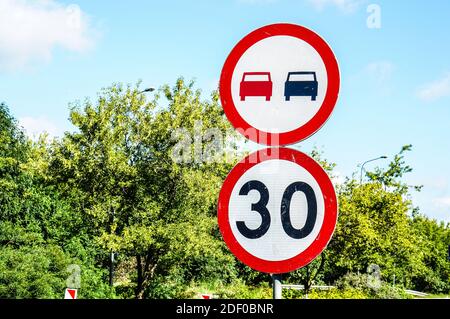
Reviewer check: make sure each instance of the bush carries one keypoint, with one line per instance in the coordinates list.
(94, 283)
(389, 292)
(41, 272)
(368, 286)
(235, 290)
(166, 287)
(32, 272)
(352, 286)
(350, 293)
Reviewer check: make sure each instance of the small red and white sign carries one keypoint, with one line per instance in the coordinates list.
(279, 84)
(70, 293)
(207, 296)
(277, 210)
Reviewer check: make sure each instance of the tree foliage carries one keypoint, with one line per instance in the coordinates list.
(142, 204)
(113, 185)
(379, 225)
(38, 230)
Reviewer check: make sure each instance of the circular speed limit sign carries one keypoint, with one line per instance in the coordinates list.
(277, 210)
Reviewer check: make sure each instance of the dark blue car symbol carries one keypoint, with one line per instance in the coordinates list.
(306, 86)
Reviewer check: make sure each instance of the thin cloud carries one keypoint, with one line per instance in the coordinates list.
(442, 202)
(256, 1)
(31, 29)
(380, 70)
(435, 90)
(35, 126)
(347, 6)
(437, 183)
(378, 75)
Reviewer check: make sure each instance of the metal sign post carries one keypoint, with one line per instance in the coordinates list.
(276, 286)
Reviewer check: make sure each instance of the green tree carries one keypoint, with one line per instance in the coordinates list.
(38, 230)
(433, 240)
(119, 170)
(32, 272)
(375, 225)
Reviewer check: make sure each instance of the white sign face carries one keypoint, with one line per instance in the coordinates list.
(295, 97)
(277, 176)
(277, 210)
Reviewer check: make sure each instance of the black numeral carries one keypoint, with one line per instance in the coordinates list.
(286, 210)
(261, 208)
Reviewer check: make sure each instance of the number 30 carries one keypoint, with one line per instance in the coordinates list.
(261, 208)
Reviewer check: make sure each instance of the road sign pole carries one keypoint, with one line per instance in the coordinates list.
(111, 269)
(276, 286)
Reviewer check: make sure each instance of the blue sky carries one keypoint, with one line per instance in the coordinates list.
(395, 80)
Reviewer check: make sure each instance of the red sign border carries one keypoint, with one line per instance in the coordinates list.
(312, 126)
(330, 213)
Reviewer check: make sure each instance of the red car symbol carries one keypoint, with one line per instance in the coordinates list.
(256, 84)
